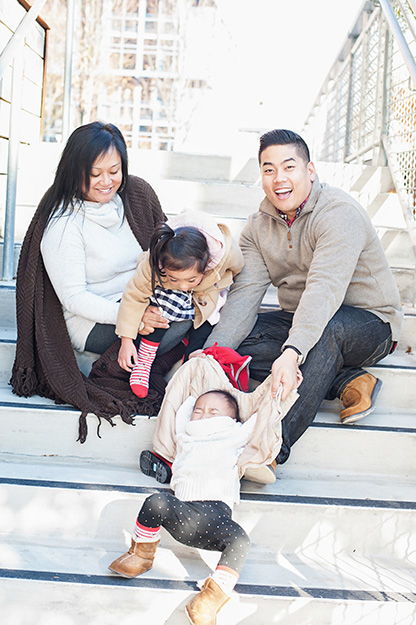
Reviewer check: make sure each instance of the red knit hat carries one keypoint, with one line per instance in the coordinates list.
(234, 365)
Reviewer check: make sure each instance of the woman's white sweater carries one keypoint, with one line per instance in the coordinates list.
(207, 450)
(90, 255)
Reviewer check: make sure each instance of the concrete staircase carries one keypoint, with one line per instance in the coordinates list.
(333, 541)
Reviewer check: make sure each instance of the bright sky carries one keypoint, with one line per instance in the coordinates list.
(285, 49)
(281, 53)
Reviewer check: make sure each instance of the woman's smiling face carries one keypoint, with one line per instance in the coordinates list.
(105, 178)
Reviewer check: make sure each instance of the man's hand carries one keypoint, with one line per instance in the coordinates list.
(198, 353)
(153, 319)
(285, 371)
(127, 354)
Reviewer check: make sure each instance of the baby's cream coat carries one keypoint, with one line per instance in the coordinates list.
(203, 374)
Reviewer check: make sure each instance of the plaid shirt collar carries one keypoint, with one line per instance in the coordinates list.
(298, 211)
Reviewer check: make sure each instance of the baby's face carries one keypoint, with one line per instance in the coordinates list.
(211, 405)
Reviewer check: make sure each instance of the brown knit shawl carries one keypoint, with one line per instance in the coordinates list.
(45, 362)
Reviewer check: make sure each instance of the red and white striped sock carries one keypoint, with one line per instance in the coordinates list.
(139, 377)
(225, 578)
(144, 534)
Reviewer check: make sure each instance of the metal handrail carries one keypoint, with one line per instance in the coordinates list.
(402, 195)
(408, 15)
(398, 35)
(13, 52)
(412, 5)
(367, 105)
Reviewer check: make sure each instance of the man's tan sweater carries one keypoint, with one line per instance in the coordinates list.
(332, 256)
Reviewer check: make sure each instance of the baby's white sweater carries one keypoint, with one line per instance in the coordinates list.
(90, 255)
(205, 465)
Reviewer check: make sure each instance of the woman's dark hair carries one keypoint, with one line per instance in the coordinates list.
(232, 402)
(72, 178)
(284, 137)
(178, 250)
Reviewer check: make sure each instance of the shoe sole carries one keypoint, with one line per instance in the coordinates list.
(152, 465)
(360, 415)
(121, 574)
(189, 618)
(260, 475)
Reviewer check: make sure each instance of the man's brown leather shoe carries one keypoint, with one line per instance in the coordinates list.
(358, 397)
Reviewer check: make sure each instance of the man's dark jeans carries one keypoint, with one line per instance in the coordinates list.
(353, 338)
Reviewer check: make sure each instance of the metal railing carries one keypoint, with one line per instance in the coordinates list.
(366, 109)
(13, 54)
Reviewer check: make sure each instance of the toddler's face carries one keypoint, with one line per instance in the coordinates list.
(211, 405)
(184, 280)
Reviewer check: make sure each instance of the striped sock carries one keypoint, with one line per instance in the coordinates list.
(225, 578)
(144, 534)
(139, 378)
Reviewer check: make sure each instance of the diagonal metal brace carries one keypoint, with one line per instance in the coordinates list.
(19, 35)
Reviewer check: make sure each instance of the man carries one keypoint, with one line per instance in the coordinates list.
(340, 307)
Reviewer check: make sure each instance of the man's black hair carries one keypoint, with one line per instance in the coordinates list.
(284, 137)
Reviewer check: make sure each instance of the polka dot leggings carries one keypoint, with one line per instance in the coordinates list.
(202, 524)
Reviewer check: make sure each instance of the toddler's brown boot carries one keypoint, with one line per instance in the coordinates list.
(204, 607)
(136, 561)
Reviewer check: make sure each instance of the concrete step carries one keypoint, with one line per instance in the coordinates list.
(372, 180)
(385, 211)
(8, 322)
(398, 248)
(160, 168)
(30, 427)
(8, 348)
(77, 528)
(397, 372)
(8, 302)
(217, 198)
(406, 283)
(333, 538)
(307, 474)
(52, 599)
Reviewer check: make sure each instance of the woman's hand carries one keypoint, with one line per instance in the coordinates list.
(127, 355)
(152, 319)
(285, 371)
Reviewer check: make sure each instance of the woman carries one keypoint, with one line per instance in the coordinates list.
(78, 254)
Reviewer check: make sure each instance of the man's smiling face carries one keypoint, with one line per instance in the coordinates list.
(286, 177)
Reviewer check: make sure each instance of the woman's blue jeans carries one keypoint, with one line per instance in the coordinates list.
(353, 338)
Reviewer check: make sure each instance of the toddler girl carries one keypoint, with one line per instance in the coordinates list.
(186, 272)
(211, 435)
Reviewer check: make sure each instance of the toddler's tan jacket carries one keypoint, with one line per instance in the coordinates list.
(138, 291)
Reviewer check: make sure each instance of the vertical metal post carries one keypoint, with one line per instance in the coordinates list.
(385, 81)
(348, 114)
(12, 163)
(136, 110)
(141, 32)
(377, 148)
(66, 115)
